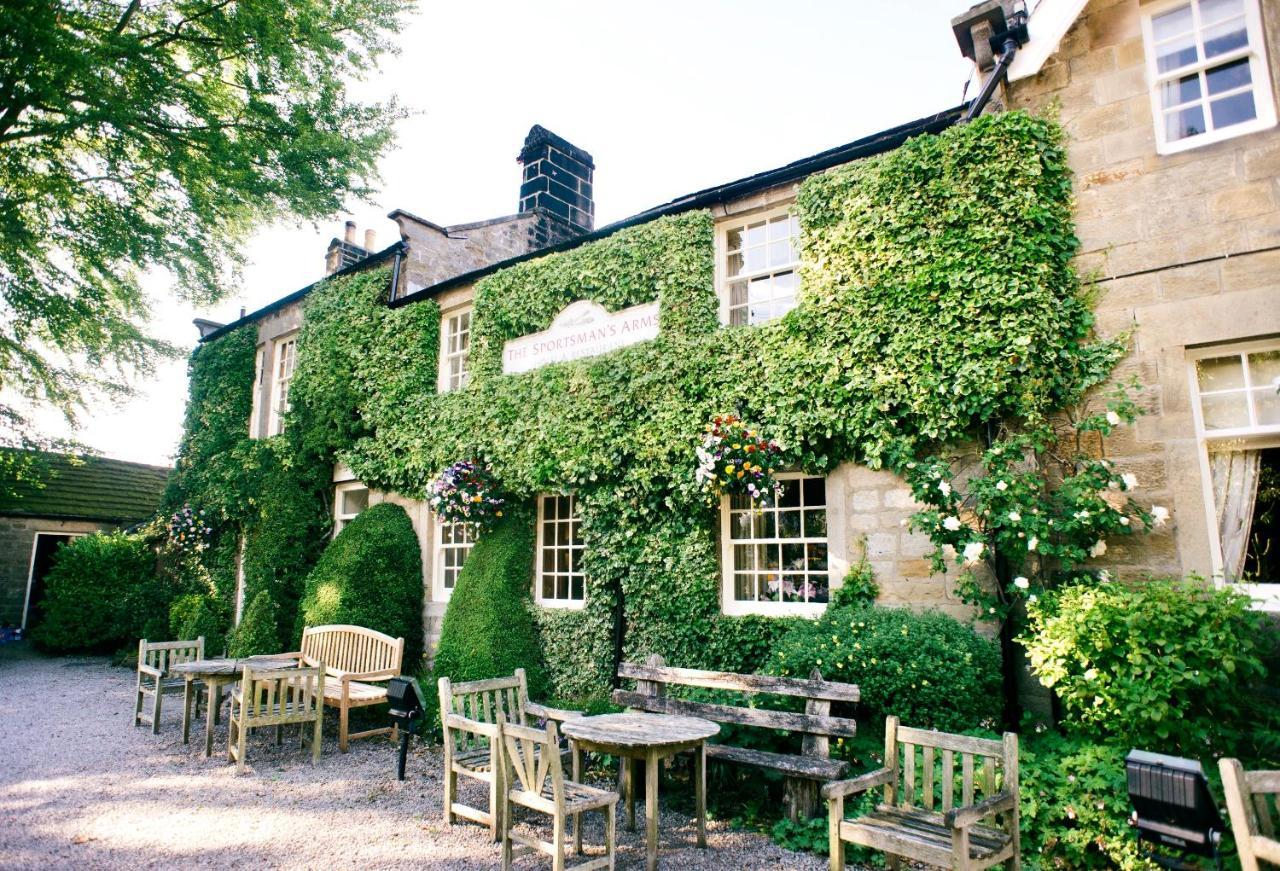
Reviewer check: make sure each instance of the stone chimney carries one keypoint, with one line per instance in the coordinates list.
(557, 179)
(344, 252)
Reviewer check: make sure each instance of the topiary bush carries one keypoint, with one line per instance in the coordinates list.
(489, 630)
(371, 576)
(209, 618)
(256, 633)
(102, 593)
(1166, 665)
(929, 669)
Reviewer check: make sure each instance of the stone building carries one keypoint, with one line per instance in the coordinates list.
(70, 497)
(1169, 107)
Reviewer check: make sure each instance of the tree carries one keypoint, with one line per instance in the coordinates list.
(151, 135)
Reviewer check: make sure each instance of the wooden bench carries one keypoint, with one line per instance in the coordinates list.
(802, 772)
(276, 697)
(352, 655)
(1255, 812)
(470, 714)
(905, 825)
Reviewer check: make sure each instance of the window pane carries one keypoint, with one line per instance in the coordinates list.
(770, 588)
(793, 556)
(1225, 410)
(1172, 23)
(793, 588)
(817, 557)
(788, 524)
(815, 492)
(548, 560)
(1183, 90)
(354, 501)
(576, 592)
(1233, 110)
(766, 523)
(1182, 123)
(1220, 373)
(755, 235)
(780, 253)
(733, 265)
(1228, 77)
(744, 587)
(1225, 37)
(1213, 11)
(790, 494)
(733, 240)
(1177, 53)
(815, 524)
(744, 556)
(548, 587)
(767, 556)
(819, 585)
(1264, 368)
(1266, 405)
(1262, 552)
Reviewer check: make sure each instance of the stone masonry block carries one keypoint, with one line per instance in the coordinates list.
(1245, 201)
(881, 545)
(1120, 85)
(900, 498)
(1189, 282)
(866, 500)
(1251, 272)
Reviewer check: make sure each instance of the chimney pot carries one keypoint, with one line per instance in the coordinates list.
(351, 232)
(369, 236)
(557, 178)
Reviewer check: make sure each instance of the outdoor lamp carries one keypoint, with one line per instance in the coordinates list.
(1173, 806)
(407, 710)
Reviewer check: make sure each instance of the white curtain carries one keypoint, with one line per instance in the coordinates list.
(1235, 488)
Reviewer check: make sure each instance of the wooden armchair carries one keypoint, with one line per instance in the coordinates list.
(905, 824)
(533, 768)
(1253, 805)
(276, 697)
(469, 715)
(154, 660)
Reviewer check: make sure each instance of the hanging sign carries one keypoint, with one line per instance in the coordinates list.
(582, 329)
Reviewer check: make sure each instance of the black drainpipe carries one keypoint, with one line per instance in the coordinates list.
(1009, 49)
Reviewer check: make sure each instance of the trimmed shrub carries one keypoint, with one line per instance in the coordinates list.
(181, 610)
(1166, 665)
(209, 618)
(102, 593)
(256, 633)
(371, 576)
(929, 669)
(489, 630)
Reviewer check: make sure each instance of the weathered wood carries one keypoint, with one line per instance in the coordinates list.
(276, 697)
(748, 683)
(804, 767)
(758, 717)
(958, 837)
(632, 731)
(352, 656)
(155, 676)
(1251, 823)
(870, 780)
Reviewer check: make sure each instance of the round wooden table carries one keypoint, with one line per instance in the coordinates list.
(215, 674)
(651, 738)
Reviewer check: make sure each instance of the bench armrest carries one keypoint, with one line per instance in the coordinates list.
(475, 727)
(841, 788)
(546, 713)
(961, 817)
(150, 669)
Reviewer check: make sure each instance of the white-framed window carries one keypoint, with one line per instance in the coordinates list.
(1207, 70)
(284, 356)
(1237, 412)
(453, 543)
(455, 345)
(757, 265)
(560, 581)
(259, 374)
(776, 559)
(348, 501)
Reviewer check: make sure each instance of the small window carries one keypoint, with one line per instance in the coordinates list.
(453, 544)
(455, 344)
(1207, 68)
(286, 352)
(349, 500)
(560, 580)
(259, 373)
(758, 268)
(776, 557)
(1239, 392)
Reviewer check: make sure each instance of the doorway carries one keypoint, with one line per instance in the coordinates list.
(42, 553)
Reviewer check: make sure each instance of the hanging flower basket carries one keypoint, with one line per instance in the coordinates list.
(466, 492)
(735, 459)
(188, 532)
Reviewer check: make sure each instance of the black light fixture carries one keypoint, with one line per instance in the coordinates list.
(1173, 806)
(407, 711)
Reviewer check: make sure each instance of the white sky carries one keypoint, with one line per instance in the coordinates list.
(669, 97)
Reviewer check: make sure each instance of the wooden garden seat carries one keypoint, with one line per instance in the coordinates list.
(906, 824)
(470, 714)
(803, 771)
(276, 697)
(155, 658)
(1252, 801)
(352, 656)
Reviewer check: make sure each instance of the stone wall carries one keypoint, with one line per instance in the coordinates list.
(17, 538)
(1155, 231)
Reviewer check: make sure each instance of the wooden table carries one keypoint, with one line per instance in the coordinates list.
(651, 738)
(215, 674)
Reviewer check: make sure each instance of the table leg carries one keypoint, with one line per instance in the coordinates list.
(187, 693)
(577, 778)
(217, 703)
(700, 791)
(629, 787)
(215, 697)
(651, 810)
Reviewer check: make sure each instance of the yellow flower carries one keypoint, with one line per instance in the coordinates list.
(728, 470)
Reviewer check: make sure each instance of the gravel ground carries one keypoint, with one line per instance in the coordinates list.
(80, 786)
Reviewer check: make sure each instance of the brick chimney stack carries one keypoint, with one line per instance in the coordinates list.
(557, 178)
(344, 252)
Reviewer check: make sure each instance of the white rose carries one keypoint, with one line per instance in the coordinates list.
(951, 524)
(944, 488)
(1098, 549)
(1159, 515)
(1130, 480)
(1113, 418)
(1033, 597)
(1021, 583)
(1014, 517)
(1033, 543)
(1001, 486)
(973, 552)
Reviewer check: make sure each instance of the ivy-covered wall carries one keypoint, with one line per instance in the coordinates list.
(937, 293)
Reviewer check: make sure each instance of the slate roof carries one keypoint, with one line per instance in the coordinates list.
(89, 488)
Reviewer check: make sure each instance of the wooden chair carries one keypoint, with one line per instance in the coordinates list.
(276, 697)
(352, 656)
(905, 824)
(1255, 810)
(469, 715)
(154, 680)
(535, 772)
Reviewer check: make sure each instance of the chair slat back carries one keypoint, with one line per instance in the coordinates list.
(163, 655)
(533, 755)
(494, 700)
(352, 649)
(925, 761)
(282, 695)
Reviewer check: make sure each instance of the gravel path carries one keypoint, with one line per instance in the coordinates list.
(80, 786)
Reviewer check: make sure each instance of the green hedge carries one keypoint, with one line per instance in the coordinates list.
(489, 630)
(257, 633)
(371, 576)
(103, 593)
